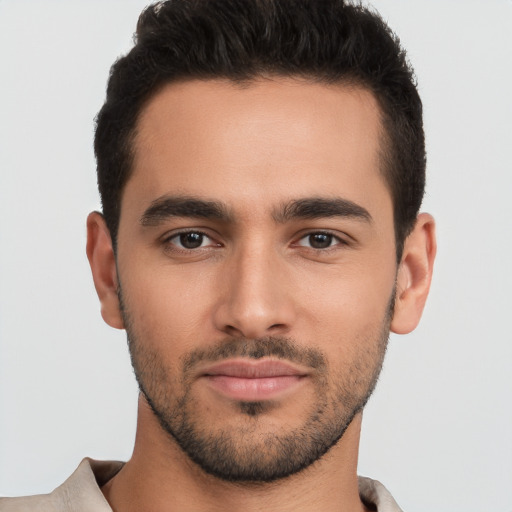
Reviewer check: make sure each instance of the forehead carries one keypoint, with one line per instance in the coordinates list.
(271, 137)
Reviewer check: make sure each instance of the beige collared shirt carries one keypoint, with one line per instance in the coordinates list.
(81, 492)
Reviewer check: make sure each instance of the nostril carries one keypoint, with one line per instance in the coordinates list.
(232, 330)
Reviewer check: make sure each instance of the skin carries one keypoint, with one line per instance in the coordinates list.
(255, 149)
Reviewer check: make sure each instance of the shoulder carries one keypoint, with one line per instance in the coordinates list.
(80, 492)
(37, 503)
(373, 493)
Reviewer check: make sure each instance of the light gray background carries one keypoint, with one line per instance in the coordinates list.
(438, 431)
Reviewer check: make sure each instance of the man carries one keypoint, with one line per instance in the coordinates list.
(261, 167)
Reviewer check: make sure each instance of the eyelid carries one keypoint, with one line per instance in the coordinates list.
(169, 236)
(341, 240)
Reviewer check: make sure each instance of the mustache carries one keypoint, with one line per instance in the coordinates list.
(270, 346)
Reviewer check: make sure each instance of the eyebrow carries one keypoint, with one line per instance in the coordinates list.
(320, 207)
(165, 207)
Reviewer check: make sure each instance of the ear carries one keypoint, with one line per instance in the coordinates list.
(414, 275)
(103, 266)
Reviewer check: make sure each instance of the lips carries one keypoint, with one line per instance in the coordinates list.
(253, 370)
(253, 381)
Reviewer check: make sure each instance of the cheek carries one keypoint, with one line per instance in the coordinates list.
(350, 297)
(167, 307)
(349, 315)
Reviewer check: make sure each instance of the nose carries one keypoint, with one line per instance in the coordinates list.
(256, 296)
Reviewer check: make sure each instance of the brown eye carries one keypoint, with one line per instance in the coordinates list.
(191, 240)
(319, 240)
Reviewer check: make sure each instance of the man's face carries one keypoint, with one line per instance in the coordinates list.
(256, 263)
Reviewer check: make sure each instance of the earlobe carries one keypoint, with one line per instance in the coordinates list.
(414, 275)
(103, 266)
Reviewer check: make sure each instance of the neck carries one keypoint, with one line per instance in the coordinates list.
(162, 478)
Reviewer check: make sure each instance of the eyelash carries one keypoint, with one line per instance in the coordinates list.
(339, 241)
(168, 241)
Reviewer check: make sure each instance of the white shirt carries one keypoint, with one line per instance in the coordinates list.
(81, 492)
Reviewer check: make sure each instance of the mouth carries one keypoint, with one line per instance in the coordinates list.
(252, 381)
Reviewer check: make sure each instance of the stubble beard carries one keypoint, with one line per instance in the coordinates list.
(245, 453)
